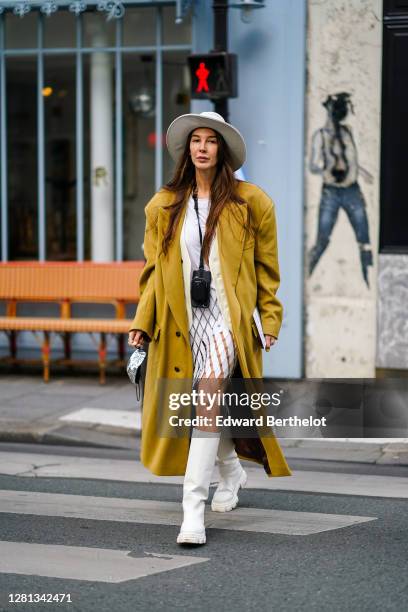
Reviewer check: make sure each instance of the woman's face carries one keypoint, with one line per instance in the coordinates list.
(204, 148)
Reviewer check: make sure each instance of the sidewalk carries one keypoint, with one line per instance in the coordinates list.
(77, 410)
(70, 409)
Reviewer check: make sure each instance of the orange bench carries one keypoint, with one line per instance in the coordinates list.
(66, 283)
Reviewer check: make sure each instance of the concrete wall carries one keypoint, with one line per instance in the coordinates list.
(392, 338)
(344, 46)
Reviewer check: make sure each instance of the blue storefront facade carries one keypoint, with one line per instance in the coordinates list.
(87, 90)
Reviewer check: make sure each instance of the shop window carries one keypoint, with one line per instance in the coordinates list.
(59, 30)
(21, 33)
(139, 27)
(139, 117)
(60, 171)
(175, 33)
(98, 32)
(176, 85)
(52, 103)
(21, 103)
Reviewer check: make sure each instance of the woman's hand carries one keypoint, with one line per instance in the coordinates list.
(269, 341)
(136, 338)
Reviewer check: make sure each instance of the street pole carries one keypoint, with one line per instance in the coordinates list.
(220, 8)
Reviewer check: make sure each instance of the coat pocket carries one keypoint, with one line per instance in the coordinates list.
(156, 332)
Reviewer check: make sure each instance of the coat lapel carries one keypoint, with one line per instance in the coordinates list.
(173, 273)
(230, 237)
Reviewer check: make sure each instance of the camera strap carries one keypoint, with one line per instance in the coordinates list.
(199, 229)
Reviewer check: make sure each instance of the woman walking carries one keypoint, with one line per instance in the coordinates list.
(211, 258)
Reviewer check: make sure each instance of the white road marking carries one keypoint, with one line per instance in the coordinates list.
(339, 484)
(81, 563)
(357, 441)
(125, 419)
(154, 512)
(61, 466)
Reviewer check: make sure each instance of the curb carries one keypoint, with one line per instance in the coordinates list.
(391, 451)
(72, 436)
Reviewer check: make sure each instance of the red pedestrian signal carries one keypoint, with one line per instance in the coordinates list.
(202, 74)
(213, 75)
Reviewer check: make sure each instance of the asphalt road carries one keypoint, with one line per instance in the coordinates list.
(358, 567)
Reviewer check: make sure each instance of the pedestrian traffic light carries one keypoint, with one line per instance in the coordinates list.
(213, 75)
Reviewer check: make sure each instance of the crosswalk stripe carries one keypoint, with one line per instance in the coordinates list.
(169, 513)
(61, 466)
(82, 563)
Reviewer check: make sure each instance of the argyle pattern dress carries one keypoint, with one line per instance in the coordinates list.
(212, 344)
(211, 341)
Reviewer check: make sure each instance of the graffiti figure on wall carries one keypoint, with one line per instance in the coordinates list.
(334, 156)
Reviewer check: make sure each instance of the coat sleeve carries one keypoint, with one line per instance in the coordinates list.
(146, 310)
(267, 272)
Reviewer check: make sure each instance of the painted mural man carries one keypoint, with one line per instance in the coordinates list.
(334, 156)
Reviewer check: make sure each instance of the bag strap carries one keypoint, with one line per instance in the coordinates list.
(199, 229)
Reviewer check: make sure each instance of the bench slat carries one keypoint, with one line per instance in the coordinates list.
(70, 280)
(119, 326)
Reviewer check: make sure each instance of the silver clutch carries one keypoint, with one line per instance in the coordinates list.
(133, 366)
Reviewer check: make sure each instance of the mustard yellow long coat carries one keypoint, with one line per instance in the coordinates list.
(246, 274)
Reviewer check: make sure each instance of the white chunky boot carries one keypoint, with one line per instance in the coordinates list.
(200, 465)
(232, 477)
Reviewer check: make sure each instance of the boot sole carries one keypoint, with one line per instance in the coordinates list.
(191, 538)
(228, 506)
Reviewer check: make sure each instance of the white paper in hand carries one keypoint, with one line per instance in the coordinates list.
(257, 320)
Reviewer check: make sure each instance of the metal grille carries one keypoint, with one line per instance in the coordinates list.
(79, 51)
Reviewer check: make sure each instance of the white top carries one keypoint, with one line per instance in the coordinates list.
(327, 154)
(192, 234)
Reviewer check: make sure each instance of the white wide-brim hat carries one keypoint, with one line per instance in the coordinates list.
(180, 128)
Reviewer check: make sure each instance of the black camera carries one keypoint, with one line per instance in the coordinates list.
(200, 288)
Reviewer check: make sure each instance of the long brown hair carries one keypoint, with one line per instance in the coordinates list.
(224, 191)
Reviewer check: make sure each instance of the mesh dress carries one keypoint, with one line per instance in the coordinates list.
(211, 340)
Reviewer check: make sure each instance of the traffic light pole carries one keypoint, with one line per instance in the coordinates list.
(220, 8)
